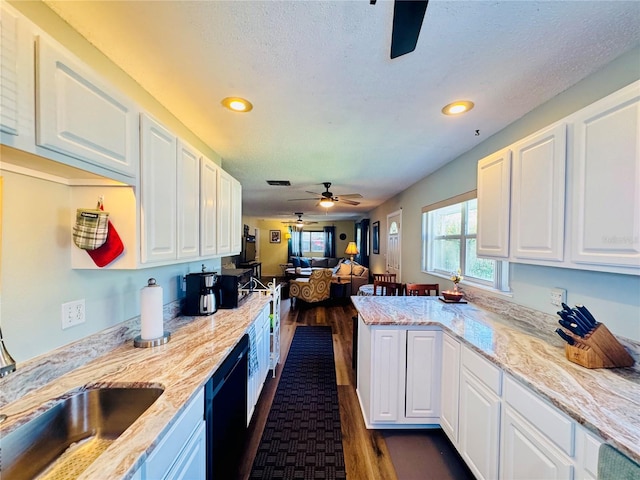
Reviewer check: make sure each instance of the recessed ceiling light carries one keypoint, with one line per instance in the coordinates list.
(457, 107)
(237, 104)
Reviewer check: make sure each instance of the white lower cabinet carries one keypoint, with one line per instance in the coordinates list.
(450, 387)
(181, 453)
(587, 449)
(479, 426)
(526, 454)
(399, 376)
(257, 376)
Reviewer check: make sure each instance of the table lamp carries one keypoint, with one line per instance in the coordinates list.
(351, 251)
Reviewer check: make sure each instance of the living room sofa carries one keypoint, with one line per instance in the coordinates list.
(341, 271)
(303, 266)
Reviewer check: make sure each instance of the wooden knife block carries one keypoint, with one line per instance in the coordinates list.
(598, 349)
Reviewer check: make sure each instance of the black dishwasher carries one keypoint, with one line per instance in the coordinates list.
(226, 413)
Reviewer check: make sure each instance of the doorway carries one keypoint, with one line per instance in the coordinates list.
(394, 238)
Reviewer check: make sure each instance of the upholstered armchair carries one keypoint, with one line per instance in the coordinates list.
(313, 289)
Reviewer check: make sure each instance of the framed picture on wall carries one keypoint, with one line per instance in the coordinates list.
(274, 236)
(375, 237)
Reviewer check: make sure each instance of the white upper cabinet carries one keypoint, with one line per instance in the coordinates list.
(606, 181)
(158, 192)
(188, 201)
(209, 172)
(537, 196)
(17, 110)
(236, 216)
(225, 194)
(494, 187)
(80, 115)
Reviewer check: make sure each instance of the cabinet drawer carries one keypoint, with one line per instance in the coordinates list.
(482, 368)
(161, 459)
(546, 418)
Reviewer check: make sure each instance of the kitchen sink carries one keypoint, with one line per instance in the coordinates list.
(65, 439)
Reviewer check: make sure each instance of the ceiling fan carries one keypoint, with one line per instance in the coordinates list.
(299, 222)
(407, 21)
(327, 199)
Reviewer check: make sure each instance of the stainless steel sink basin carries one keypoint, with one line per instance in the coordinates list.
(65, 439)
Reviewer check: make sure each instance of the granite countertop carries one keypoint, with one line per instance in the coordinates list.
(197, 347)
(605, 401)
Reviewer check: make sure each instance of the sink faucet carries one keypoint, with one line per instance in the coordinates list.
(7, 363)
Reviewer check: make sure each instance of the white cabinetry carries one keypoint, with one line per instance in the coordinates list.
(188, 201)
(606, 181)
(480, 386)
(587, 450)
(450, 387)
(79, 115)
(209, 172)
(258, 373)
(236, 216)
(182, 451)
(224, 212)
(494, 187)
(158, 191)
(537, 196)
(398, 375)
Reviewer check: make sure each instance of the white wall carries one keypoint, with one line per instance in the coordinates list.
(614, 299)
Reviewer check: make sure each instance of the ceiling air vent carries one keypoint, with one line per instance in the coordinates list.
(279, 183)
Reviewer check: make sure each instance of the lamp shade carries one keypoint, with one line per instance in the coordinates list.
(326, 203)
(352, 249)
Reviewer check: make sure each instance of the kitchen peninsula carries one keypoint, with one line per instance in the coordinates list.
(181, 367)
(521, 368)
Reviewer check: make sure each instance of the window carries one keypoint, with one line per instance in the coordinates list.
(449, 245)
(313, 242)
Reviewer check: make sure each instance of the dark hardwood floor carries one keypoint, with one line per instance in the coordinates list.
(366, 453)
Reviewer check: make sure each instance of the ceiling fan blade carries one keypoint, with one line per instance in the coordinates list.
(407, 21)
(350, 195)
(348, 202)
(298, 199)
(313, 193)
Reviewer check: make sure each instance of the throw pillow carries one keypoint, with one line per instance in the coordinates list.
(358, 270)
(305, 263)
(345, 269)
(295, 261)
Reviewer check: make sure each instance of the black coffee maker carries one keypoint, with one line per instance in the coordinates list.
(202, 293)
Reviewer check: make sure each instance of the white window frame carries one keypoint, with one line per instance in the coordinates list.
(500, 281)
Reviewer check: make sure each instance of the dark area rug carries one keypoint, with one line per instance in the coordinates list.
(302, 437)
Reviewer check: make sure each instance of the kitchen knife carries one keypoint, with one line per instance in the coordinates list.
(587, 314)
(572, 327)
(579, 315)
(566, 307)
(564, 315)
(565, 337)
(584, 326)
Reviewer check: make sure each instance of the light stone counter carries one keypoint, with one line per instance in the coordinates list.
(197, 347)
(605, 401)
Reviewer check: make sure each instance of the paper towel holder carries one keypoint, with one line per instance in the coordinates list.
(153, 342)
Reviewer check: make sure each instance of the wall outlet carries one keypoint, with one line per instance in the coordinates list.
(558, 296)
(72, 313)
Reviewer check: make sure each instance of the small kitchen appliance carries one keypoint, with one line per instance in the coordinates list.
(202, 293)
(234, 285)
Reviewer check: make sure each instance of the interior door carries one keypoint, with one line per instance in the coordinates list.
(394, 237)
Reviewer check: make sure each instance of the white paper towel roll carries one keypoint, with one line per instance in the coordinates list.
(151, 311)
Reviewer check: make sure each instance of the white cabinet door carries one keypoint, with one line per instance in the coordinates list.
(225, 194)
(606, 181)
(387, 374)
(208, 207)
(192, 462)
(258, 374)
(188, 201)
(494, 187)
(236, 216)
(537, 196)
(479, 427)
(587, 449)
(80, 115)
(423, 374)
(158, 192)
(527, 455)
(450, 387)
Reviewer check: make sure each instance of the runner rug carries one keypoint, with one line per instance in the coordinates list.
(302, 437)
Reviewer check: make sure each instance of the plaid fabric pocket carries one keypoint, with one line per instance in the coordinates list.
(90, 230)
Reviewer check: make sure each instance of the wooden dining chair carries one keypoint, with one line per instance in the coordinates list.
(384, 277)
(387, 289)
(422, 289)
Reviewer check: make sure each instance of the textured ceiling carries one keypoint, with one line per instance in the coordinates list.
(329, 104)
